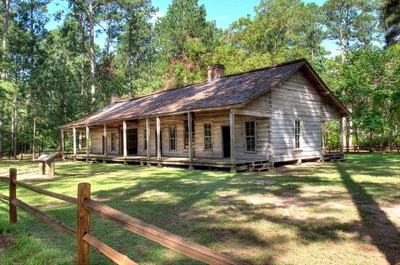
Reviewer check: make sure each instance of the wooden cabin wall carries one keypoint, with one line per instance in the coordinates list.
(117, 141)
(296, 99)
(97, 140)
(216, 121)
(329, 113)
(166, 123)
(262, 138)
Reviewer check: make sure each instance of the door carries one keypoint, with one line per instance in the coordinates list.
(132, 141)
(155, 137)
(226, 140)
(103, 146)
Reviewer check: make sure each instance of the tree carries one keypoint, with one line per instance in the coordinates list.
(135, 45)
(350, 22)
(391, 19)
(185, 42)
(281, 30)
(4, 71)
(370, 78)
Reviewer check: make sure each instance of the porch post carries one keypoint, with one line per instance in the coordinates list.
(125, 139)
(74, 141)
(233, 143)
(158, 124)
(62, 144)
(87, 142)
(148, 138)
(190, 138)
(105, 141)
(342, 122)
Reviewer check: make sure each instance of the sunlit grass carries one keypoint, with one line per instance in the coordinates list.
(292, 215)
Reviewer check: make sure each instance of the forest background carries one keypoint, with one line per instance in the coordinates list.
(52, 76)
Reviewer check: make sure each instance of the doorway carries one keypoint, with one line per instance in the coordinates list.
(155, 137)
(103, 146)
(132, 141)
(226, 140)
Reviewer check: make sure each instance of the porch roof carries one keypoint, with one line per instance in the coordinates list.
(226, 92)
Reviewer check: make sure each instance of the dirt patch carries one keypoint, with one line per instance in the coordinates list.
(5, 241)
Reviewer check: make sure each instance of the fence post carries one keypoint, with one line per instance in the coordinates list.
(13, 195)
(83, 224)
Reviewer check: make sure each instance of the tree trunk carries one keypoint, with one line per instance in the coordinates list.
(1, 134)
(5, 31)
(92, 62)
(108, 43)
(356, 136)
(390, 139)
(370, 141)
(4, 73)
(130, 60)
(83, 55)
(34, 139)
(14, 130)
(341, 44)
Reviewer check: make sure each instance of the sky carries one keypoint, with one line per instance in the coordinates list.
(223, 12)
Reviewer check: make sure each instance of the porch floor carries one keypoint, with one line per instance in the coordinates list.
(240, 165)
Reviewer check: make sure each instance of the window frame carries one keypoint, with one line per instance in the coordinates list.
(186, 133)
(174, 138)
(113, 141)
(208, 137)
(297, 135)
(246, 136)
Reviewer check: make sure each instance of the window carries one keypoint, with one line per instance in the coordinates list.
(113, 141)
(297, 134)
(145, 139)
(186, 138)
(172, 138)
(207, 137)
(250, 133)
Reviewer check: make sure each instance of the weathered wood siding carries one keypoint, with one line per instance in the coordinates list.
(262, 138)
(220, 120)
(297, 99)
(217, 121)
(294, 99)
(97, 141)
(329, 113)
(165, 122)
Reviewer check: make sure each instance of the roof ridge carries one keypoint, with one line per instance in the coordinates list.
(206, 81)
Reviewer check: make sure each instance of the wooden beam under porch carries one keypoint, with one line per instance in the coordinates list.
(212, 163)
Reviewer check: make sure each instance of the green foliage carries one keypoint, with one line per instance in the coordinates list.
(370, 82)
(391, 21)
(185, 42)
(45, 75)
(299, 211)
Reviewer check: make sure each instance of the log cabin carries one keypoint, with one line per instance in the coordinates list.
(245, 121)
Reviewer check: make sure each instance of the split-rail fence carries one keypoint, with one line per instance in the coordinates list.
(85, 240)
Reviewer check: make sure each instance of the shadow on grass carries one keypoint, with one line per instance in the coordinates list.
(208, 208)
(382, 231)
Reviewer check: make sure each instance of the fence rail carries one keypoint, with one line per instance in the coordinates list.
(85, 240)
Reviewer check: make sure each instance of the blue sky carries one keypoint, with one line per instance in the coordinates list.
(223, 12)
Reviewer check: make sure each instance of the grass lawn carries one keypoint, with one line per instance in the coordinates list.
(331, 213)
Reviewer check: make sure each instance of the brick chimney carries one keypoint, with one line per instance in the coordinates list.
(215, 71)
(114, 98)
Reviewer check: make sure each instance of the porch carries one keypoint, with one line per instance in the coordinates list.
(222, 163)
(201, 139)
